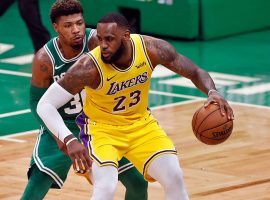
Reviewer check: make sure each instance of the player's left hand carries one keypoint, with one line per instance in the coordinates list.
(78, 154)
(225, 108)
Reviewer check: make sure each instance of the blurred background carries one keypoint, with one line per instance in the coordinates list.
(228, 38)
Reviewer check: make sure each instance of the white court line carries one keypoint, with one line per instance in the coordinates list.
(249, 105)
(9, 72)
(9, 114)
(11, 137)
(19, 60)
(245, 79)
(13, 140)
(174, 95)
(176, 104)
(151, 91)
(196, 99)
(5, 47)
(251, 90)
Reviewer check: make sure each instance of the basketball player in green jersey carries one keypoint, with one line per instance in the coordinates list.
(49, 166)
(116, 77)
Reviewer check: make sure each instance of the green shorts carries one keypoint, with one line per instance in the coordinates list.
(52, 161)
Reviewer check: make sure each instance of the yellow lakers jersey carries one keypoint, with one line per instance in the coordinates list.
(122, 97)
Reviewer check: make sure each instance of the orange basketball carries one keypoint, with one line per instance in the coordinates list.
(209, 126)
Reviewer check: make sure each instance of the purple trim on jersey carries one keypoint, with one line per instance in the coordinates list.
(81, 121)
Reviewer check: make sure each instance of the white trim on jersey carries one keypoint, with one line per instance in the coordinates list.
(40, 165)
(50, 56)
(60, 54)
(89, 37)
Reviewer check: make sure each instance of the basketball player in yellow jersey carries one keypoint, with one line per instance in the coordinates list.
(116, 76)
(126, 88)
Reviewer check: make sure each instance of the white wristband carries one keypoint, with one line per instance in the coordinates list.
(212, 90)
(72, 139)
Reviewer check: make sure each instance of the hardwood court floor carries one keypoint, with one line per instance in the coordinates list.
(237, 169)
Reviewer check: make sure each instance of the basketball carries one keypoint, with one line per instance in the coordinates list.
(209, 126)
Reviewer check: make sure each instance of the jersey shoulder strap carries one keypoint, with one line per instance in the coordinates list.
(88, 34)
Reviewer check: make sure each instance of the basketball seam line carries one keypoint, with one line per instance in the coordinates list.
(212, 128)
(195, 119)
(206, 118)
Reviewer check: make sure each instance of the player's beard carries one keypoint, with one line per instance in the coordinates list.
(116, 55)
(77, 46)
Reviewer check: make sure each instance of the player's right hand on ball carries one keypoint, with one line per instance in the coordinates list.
(225, 108)
(78, 154)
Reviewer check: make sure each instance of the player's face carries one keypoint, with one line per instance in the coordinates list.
(71, 29)
(111, 41)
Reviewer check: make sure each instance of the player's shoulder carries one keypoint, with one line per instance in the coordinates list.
(148, 37)
(93, 40)
(87, 63)
(42, 57)
(153, 44)
(151, 41)
(42, 70)
(158, 50)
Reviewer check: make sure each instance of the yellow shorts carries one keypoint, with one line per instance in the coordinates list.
(140, 143)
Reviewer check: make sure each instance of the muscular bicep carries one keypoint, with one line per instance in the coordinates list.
(82, 73)
(42, 73)
(162, 52)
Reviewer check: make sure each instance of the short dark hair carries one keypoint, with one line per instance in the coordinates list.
(63, 8)
(117, 18)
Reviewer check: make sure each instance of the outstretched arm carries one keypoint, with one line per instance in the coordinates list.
(82, 73)
(161, 52)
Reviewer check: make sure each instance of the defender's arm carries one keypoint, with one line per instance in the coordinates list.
(42, 77)
(82, 73)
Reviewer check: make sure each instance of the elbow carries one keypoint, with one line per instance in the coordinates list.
(44, 108)
(40, 108)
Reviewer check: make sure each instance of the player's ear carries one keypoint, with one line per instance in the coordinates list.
(56, 27)
(127, 35)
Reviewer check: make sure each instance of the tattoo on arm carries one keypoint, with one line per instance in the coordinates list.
(43, 68)
(184, 66)
(165, 54)
(42, 73)
(165, 51)
(82, 73)
(201, 79)
(161, 52)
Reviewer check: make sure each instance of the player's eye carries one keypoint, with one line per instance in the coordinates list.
(80, 23)
(67, 25)
(109, 39)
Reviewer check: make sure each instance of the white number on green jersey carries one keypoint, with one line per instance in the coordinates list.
(76, 104)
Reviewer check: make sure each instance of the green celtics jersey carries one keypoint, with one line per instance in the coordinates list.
(60, 65)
